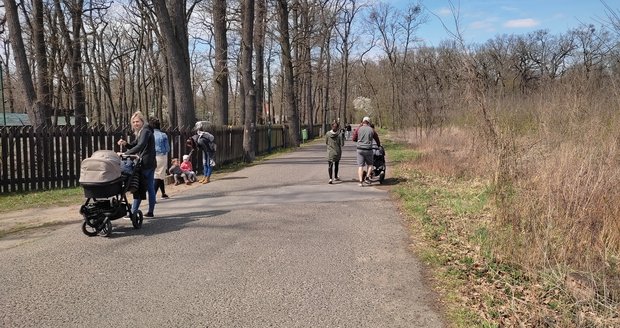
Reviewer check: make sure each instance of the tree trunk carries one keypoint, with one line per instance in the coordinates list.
(40, 55)
(249, 130)
(22, 70)
(259, 50)
(290, 102)
(172, 24)
(220, 78)
(79, 99)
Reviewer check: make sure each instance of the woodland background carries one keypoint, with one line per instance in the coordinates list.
(535, 115)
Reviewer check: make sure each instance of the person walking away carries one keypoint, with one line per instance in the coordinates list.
(364, 136)
(143, 145)
(162, 148)
(347, 127)
(334, 139)
(188, 169)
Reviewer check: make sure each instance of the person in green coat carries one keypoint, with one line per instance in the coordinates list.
(334, 139)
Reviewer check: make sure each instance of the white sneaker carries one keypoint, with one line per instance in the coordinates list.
(330, 181)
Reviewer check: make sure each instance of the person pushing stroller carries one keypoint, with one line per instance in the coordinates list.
(364, 136)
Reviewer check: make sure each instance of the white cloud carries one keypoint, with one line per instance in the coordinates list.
(518, 23)
(445, 11)
(480, 25)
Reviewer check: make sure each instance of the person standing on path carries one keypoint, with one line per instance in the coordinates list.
(204, 141)
(334, 139)
(364, 136)
(162, 148)
(143, 145)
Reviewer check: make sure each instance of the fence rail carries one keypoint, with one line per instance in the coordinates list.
(35, 159)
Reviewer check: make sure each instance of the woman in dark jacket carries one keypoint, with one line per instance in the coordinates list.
(144, 146)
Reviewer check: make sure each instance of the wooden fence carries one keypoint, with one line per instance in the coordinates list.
(50, 157)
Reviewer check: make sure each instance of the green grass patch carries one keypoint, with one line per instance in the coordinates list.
(41, 199)
(466, 201)
(445, 214)
(397, 153)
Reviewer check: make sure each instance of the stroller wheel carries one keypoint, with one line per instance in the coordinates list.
(106, 231)
(136, 219)
(89, 230)
(381, 177)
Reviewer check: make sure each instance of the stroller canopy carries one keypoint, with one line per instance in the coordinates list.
(101, 167)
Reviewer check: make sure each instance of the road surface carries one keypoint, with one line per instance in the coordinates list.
(271, 245)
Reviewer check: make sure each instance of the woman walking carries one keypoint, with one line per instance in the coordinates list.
(334, 139)
(162, 148)
(143, 145)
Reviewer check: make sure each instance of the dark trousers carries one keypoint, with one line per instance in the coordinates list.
(333, 166)
(160, 184)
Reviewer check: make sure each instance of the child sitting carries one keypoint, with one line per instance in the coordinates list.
(177, 173)
(188, 169)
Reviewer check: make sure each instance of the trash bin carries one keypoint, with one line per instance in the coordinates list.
(304, 134)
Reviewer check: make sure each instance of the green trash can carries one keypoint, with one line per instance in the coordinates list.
(304, 134)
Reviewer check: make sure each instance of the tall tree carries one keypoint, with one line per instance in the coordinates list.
(74, 53)
(348, 10)
(249, 131)
(172, 22)
(221, 61)
(260, 31)
(290, 103)
(24, 81)
(327, 21)
(40, 56)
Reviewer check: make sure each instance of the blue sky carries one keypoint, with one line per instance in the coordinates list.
(481, 20)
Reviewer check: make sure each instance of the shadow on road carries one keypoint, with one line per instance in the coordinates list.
(163, 224)
(232, 178)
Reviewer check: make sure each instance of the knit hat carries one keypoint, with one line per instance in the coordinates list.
(366, 119)
(185, 157)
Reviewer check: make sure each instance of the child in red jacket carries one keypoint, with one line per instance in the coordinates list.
(188, 169)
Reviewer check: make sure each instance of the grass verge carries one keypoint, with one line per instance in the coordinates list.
(449, 221)
(453, 223)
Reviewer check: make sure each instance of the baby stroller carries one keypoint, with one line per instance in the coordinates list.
(378, 171)
(105, 178)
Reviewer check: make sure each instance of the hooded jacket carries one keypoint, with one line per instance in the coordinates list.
(334, 142)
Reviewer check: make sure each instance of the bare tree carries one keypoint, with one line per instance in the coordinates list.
(348, 10)
(249, 131)
(288, 87)
(172, 22)
(40, 55)
(221, 61)
(34, 108)
(260, 32)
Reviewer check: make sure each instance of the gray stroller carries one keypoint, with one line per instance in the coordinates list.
(105, 178)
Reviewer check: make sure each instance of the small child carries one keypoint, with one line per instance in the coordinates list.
(188, 169)
(177, 172)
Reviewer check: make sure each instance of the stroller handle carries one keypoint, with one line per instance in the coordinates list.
(133, 157)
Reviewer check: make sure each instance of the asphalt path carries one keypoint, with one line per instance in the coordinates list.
(271, 245)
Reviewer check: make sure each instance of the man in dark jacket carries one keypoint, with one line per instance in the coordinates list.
(364, 135)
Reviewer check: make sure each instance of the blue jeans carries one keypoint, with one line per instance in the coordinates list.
(206, 164)
(149, 175)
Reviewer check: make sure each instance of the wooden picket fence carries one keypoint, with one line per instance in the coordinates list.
(37, 159)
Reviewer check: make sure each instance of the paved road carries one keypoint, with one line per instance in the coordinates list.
(272, 245)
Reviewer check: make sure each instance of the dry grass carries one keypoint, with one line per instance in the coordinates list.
(556, 202)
